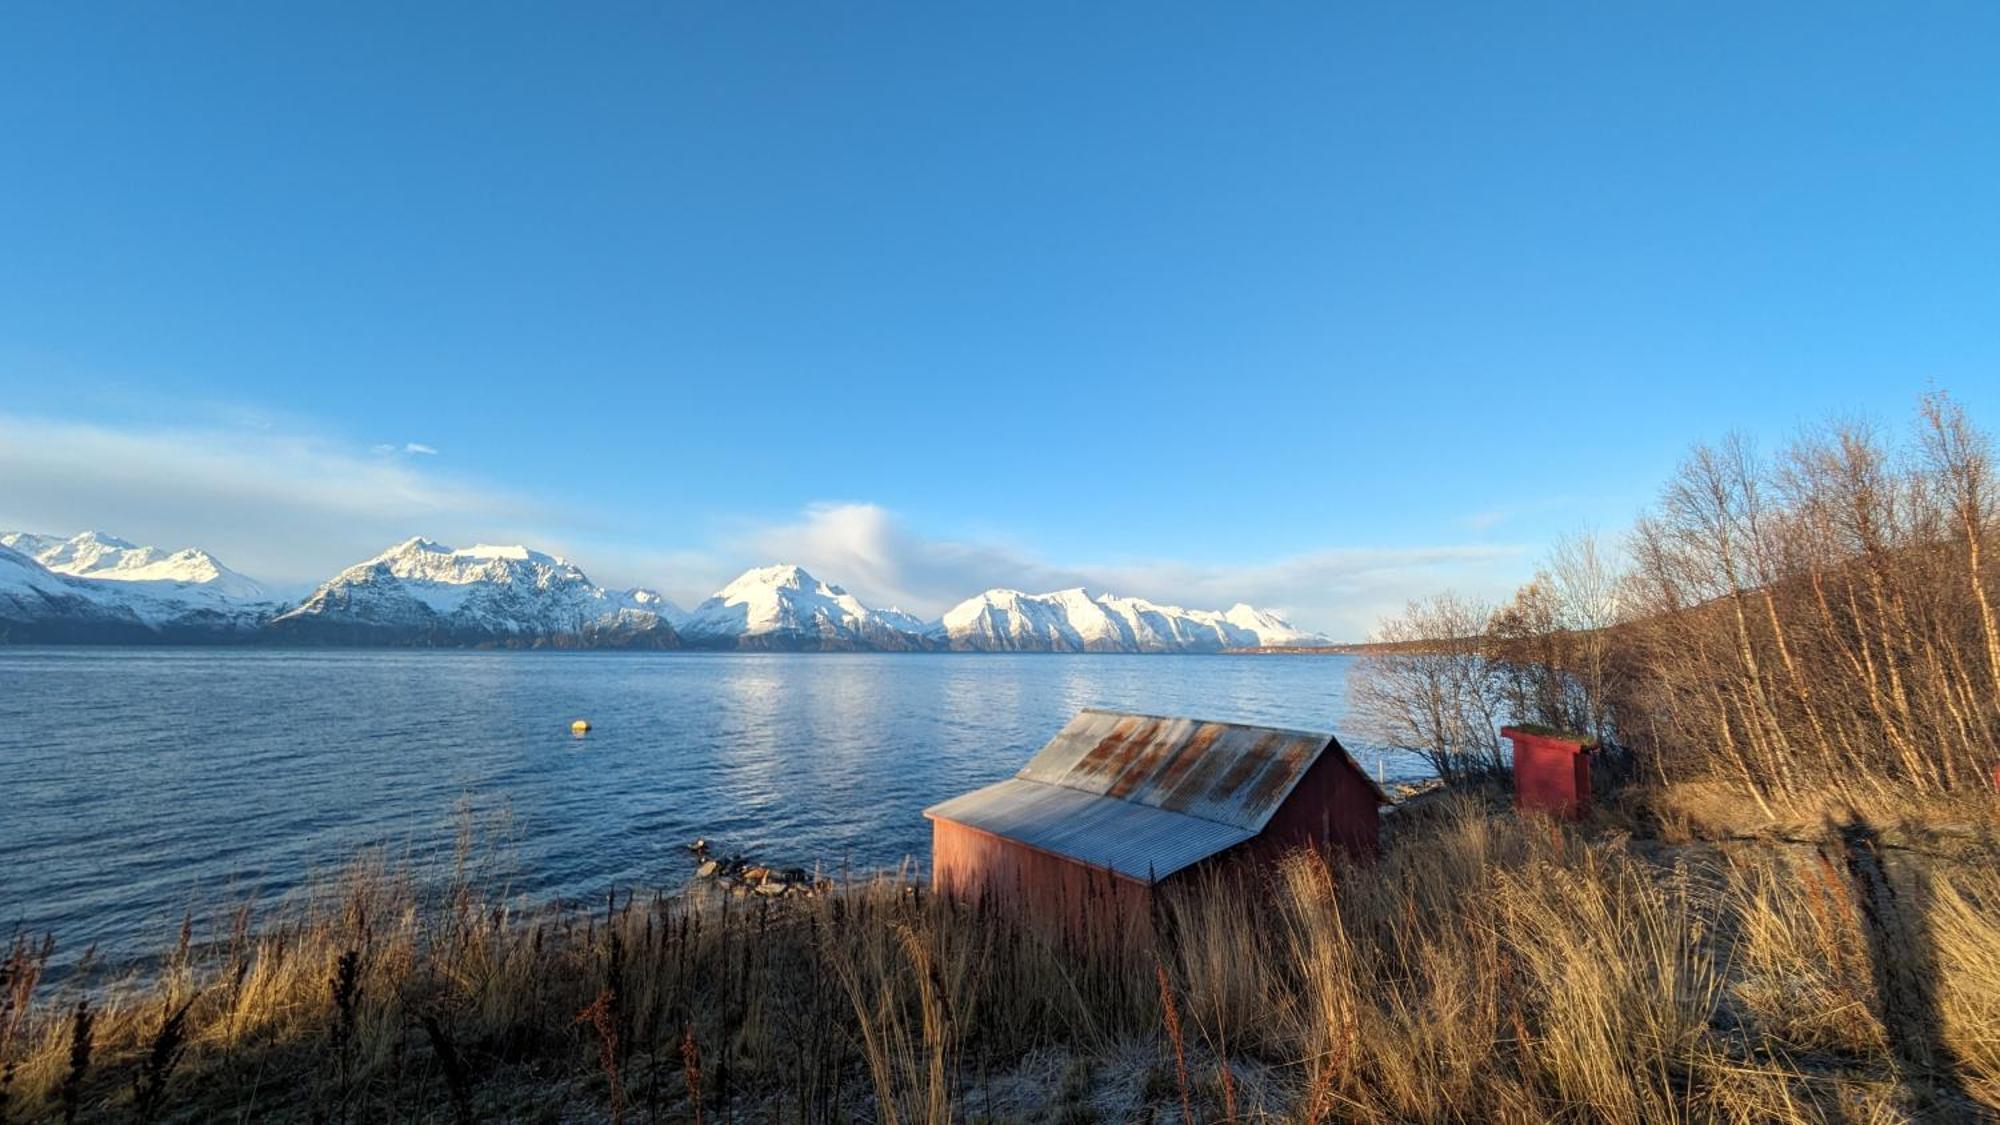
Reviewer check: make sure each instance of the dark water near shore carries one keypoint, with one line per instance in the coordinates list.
(137, 782)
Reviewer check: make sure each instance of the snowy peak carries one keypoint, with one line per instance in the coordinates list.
(423, 592)
(189, 572)
(97, 588)
(516, 551)
(21, 574)
(638, 597)
(907, 622)
(29, 544)
(38, 605)
(1075, 621)
(1270, 630)
(429, 559)
(784, 607)
(1003, 620)
(764, 581)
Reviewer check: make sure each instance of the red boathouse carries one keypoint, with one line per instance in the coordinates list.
(1117, 805)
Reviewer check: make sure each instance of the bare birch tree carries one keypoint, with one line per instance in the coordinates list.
(1820, 620)
(1430, 688)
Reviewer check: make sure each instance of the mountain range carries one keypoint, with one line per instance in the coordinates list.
(98, 588)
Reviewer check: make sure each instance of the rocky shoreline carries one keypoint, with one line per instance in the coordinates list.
(742, 876)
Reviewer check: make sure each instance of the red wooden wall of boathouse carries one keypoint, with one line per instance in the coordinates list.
(1089, 903)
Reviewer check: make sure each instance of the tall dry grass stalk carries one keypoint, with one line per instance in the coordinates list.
(1486, 968)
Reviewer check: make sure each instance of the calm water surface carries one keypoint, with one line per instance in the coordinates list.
(135, 783)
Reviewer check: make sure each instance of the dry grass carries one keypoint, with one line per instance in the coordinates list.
(1804, 959)
(1487, 968)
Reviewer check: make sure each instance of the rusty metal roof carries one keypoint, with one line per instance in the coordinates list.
(1144, 794)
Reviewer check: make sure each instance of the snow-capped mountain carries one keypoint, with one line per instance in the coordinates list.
(1076, 621)
(39, 606)
(1011, 621)
(1268, 629)
(98, 587)
(783, 607)
(95, 587)
(424, 593)
(190, 572)
(906, 622)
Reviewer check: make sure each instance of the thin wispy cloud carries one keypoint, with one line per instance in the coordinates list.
(285, 507)
(1486, 519)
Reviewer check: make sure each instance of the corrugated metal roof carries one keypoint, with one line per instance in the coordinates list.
(1153, 793)
(1135, 840)
(1224, 772)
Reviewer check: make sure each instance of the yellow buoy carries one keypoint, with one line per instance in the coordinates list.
(581, 726)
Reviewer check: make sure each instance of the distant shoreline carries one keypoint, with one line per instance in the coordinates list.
(260, 645)
(1361, 649)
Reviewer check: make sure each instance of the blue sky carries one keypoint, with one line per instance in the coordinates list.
(1284, 302)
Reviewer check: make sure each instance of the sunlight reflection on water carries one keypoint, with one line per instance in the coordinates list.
(140, 781)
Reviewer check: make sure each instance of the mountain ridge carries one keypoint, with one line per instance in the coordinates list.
(1074, 620)
(419, 592)
(42, 605)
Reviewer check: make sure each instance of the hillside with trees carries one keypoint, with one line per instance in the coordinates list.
(1816, 621)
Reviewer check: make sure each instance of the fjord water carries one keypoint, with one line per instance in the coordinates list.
(137, 783)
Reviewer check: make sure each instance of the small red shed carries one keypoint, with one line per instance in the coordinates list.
(1551, 772)
(1117, 804)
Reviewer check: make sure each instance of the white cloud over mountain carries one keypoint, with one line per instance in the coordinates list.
(1339, 591)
